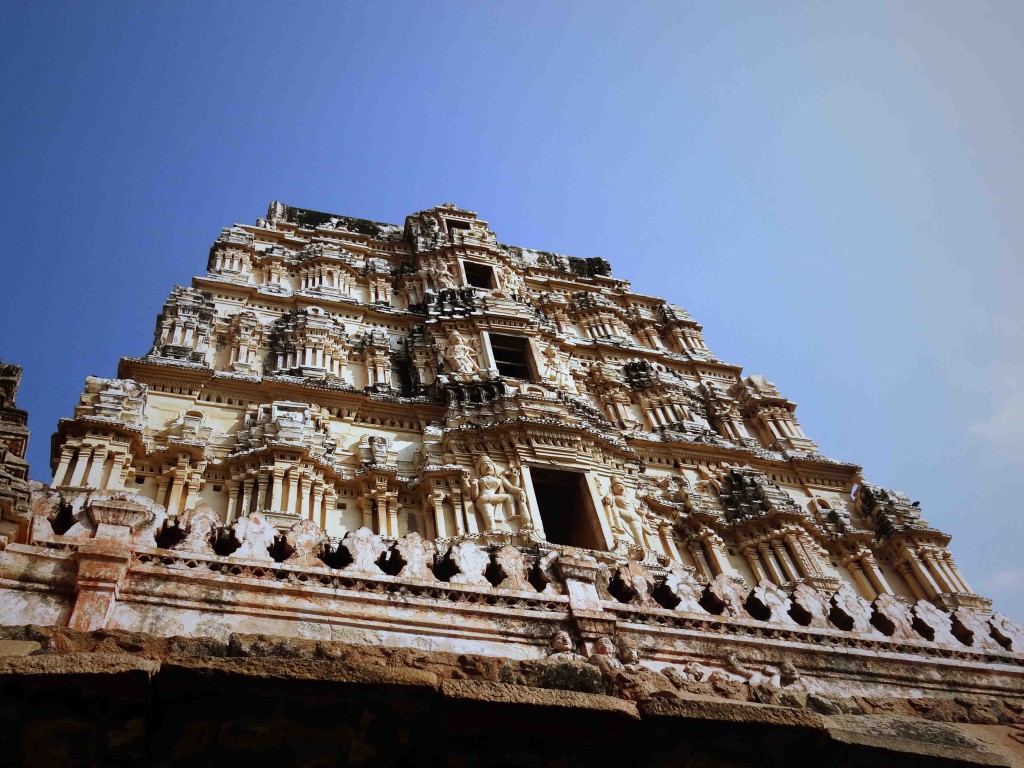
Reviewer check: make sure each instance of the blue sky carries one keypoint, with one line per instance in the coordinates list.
(832, 189)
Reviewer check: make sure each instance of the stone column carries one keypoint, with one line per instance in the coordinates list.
(305, 486)
(67, 453)
(246, 497)
(115, 482)
(99, 457)
(232, 501)
(275, 501)
(907, 573)
(784, 559)
(318, 502)
(294, 474)
(393, 515)
(950, 564)
(755, 564)
(84, 452)
(261, 494)
(774, 572)
(862, 583)
(697, 553)
(924, 578)
(437, 504)
(874, 574)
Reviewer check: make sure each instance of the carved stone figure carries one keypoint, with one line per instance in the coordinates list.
(813, 603)
(556, 372)
(773, 600)
(365, 548)
(604, 656)
(512, 284)
(256, 536)
(418, 556)
(460, 355)
(937, 621)
(200, 524)
(895, 614)
(514, 478)
(560, 648)
(624, 514)
(472, 562)
(680, 582)
(308, 541)
(491, 492)
(442, 274)
(513, 565)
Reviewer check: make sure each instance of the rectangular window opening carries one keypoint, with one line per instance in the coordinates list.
(565, 509)
(454, 224)
(479, 275)
(512, 356)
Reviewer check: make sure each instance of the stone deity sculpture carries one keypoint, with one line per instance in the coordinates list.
(460, 355)
(443, 278)
(490, 493)
(625, 515)
(556, 373)
(560, 648)
(604, 656)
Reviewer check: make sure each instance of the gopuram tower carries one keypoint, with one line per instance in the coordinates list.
(416, 437)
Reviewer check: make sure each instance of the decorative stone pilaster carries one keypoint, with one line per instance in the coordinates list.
(580, 573)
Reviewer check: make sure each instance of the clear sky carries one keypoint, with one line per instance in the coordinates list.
(833, 189)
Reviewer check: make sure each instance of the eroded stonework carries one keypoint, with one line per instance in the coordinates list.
(417, 437)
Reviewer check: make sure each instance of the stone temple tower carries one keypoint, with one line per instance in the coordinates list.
(340, 411)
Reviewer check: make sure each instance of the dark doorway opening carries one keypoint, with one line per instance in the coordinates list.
(565, 510)
(479, 275)
(512, 356)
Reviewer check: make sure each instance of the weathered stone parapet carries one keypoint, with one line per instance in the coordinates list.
(134, 698)
(119, 585)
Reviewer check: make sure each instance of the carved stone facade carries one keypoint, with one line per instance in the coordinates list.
(342, 414)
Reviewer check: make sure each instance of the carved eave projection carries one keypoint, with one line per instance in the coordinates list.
(422, 430)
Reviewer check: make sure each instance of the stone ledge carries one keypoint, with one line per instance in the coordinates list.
(910, 735)
(304, 670)
(690, 707)
(503, 693)
(77, 664)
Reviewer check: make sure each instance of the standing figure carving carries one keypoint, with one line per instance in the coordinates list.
(443, 278)
(556, 372)
(625, 515)
(460, 354)
(491, 492)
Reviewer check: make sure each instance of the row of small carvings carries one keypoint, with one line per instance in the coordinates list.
(887, 617)
(362, 553)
